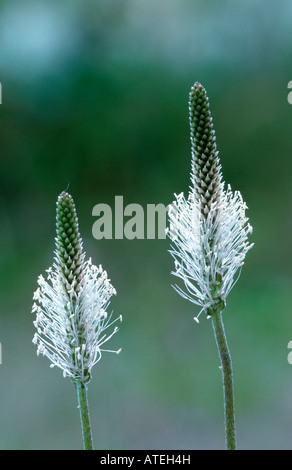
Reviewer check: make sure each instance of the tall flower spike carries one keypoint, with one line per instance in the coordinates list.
(209, 230)
(70, 305)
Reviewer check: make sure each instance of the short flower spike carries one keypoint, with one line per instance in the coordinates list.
(71, 304)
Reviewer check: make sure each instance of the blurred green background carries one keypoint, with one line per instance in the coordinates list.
(95, 96)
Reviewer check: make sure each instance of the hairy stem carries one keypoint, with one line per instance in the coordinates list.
(84, 416)
(227, 376)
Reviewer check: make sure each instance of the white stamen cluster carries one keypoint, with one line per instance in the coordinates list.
(208, 251)
(71, 329)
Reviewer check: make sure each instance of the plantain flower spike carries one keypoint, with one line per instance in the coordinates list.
(209, 229)
(71, 303)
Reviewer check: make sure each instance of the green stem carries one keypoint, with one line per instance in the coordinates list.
(227, 375)
(84, 416)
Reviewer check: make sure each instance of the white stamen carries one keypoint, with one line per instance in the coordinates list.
(58, 327)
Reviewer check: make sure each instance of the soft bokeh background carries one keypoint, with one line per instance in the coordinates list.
(95, 95)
